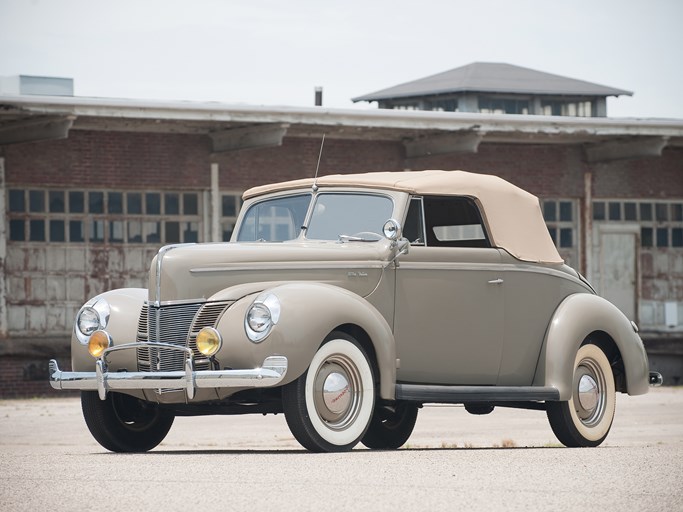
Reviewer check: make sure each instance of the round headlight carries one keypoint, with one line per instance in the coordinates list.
(92, 316)
(259, 318)
(99, 342)
(88, 321)
(209, 341)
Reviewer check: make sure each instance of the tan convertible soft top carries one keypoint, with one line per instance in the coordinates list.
(513, 216)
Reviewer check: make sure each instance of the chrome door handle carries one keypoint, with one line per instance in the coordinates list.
(496, 281)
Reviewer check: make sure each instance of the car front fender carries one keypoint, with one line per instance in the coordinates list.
(574, 320)
(125, 305)
(309, 313)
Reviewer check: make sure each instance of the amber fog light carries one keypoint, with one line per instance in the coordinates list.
(209, 341)
(99, 342)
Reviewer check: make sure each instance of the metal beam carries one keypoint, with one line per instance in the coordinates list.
(454, 142)
(250, 137)
(3, 253)
(33, 129)
(625, 149)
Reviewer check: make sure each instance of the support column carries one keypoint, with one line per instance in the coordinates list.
(3, 251)
(215, 205)
(588, 225)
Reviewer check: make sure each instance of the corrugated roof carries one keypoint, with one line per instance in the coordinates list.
(494, 77)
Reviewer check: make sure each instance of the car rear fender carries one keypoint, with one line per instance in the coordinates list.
(574, 320)
(309, 313)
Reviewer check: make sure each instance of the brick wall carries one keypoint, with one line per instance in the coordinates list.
(655, 178)
(22, 376)
(111, 160)
(166, 161)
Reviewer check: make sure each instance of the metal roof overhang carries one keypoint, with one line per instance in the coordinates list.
(235, 127)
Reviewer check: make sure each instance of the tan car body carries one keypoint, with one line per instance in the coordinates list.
(443, 316)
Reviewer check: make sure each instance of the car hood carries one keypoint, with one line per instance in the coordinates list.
(198, 271)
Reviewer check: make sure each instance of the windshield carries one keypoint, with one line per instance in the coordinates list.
(348, 214)
(281, 218)
(275, 220)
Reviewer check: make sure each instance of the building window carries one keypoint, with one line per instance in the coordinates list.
(503, 106)
(661, 222)
(559, 216)
(101, 217)
(231, 204)
(567, 108)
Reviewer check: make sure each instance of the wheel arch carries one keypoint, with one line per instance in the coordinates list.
(586, 318)
(613, 354)
(362, 337)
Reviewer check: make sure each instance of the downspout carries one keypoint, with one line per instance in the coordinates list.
(215, 205)
(588, 223)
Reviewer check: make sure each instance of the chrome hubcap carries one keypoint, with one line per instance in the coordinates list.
(337, 392)
(589, 392)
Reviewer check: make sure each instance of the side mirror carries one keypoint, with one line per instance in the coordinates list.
(392, 230)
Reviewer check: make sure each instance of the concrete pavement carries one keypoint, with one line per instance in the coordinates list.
(508, 460)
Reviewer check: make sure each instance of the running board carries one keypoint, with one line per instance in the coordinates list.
(464, 394)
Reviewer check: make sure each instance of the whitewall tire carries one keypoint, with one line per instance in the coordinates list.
(586, 418)
(330, 406)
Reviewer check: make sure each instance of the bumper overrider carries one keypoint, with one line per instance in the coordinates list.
(271, 373)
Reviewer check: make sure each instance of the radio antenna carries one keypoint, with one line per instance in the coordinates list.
(317, 167)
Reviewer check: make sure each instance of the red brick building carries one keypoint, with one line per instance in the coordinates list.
(91, 188)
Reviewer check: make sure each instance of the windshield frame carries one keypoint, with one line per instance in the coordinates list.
(398, 200)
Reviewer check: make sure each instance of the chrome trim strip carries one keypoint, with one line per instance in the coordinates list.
(160, 257)
(496, 267)
(271, 373)
(180, 302)
(288, 266)
(463, 394)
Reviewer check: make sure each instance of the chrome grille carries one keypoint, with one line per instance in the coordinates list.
(177, 324)
(165, 324)
(208, 316)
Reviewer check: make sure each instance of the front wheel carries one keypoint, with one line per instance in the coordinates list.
(585, 419)
(328, 408)
(123, 423)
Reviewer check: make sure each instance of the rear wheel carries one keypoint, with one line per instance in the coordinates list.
(585, 420)
(328, 408)
(123, 423)
(391, 428)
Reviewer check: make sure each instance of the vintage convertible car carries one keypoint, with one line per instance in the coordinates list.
(349, 301)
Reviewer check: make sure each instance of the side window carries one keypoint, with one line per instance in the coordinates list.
(453, 222)
(413, 228)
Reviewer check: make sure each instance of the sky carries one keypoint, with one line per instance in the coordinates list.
(275, 52)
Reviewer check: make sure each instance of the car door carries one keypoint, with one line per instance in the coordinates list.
(448, 322)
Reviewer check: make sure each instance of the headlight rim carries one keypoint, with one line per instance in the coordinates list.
(270, 303)
(103, 310)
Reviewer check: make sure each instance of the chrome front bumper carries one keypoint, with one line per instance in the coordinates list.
(271, 373)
